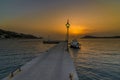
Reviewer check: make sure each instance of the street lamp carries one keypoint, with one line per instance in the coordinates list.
(67, 26)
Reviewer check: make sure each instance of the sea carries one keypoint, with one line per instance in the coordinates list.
(97, 59)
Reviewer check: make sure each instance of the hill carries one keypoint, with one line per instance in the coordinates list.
(95, 37)
(10, 34)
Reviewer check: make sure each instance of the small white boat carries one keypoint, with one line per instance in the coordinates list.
(75, 44)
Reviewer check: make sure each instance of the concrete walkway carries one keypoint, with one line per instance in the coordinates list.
(55, 64)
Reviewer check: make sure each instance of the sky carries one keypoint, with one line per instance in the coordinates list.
(48, 17)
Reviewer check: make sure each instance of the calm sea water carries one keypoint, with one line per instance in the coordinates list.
(98, 59)
(14, 53)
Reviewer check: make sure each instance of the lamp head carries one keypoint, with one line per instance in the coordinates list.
(67, 25)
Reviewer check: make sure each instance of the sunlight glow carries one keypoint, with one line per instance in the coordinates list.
(76, 30)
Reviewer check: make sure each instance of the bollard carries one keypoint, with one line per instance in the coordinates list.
(11, 74)
(71, 76)
(19, 69)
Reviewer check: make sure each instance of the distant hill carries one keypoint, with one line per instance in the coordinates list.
(10, 34)
(92, 37)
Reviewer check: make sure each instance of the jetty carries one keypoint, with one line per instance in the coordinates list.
(54, 64)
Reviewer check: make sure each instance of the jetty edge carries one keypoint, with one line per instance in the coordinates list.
(54, 64)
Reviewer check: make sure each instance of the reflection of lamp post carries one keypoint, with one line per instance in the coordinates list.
(67, 26)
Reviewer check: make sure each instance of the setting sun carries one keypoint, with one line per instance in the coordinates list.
(76, 30)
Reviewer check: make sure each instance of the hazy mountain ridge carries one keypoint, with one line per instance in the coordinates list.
(4, 34)
(96, 37)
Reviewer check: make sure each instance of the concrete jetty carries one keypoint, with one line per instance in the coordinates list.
(54, 64)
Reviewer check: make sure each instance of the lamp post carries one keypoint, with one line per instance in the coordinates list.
(67, 26)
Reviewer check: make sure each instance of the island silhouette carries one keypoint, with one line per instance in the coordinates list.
(96, 37)
(4, 34)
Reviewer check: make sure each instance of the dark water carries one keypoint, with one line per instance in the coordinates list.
(98, 59)
(15, 53)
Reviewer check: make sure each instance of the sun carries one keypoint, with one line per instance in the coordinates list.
(76, 30)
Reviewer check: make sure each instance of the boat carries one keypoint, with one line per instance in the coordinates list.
(75, 44)
(51, 42)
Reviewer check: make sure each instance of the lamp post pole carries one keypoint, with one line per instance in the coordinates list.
(67, 26)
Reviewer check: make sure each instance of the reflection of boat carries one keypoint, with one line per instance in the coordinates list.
(75, 44)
